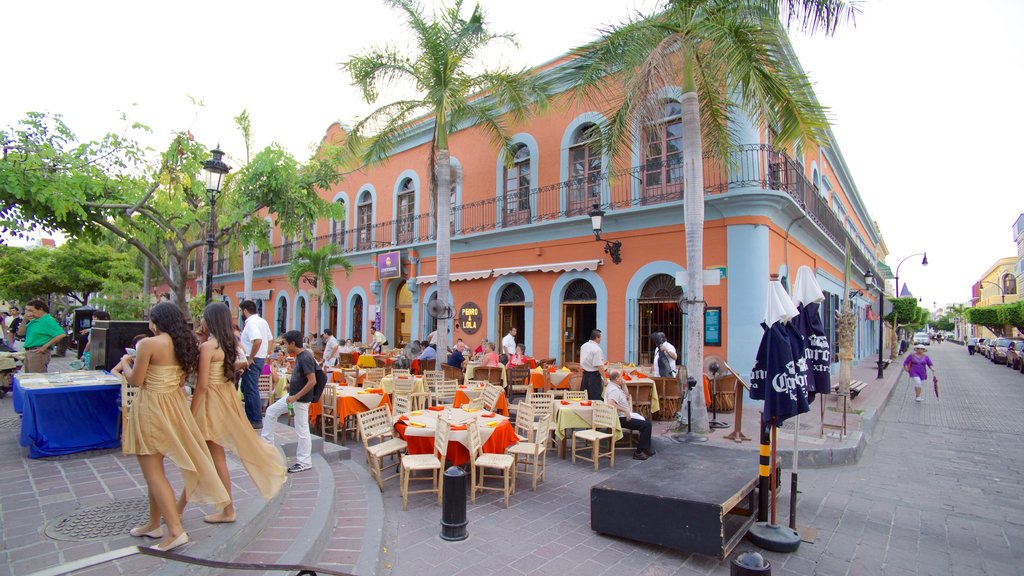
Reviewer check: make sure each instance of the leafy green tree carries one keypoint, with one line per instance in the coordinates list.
(446, 73)
(316, 268)
(727, 56)
(51, 180)
(943, 323)
(75, 270)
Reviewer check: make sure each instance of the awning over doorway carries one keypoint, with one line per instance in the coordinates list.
(478, 274)
(254, 295)
(456, 276)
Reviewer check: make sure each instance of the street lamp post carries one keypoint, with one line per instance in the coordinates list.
(214, 169)
(1002, 295)
(924, 262)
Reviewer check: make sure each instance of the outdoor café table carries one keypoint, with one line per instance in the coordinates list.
(65, 413)
(495, 431)
(470, 368)
(366, 361)
(655, 405)
(559, 379)
(466, 394)
(572, 414)
(352, 401)
(388, 384)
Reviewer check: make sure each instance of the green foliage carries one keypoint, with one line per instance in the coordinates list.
(904, 311)
(76, 269)
(316, 268)
(1011, 314)
(987, 316)
(943, 324)
(195, 309)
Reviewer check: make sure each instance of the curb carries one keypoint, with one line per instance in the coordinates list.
(370, 555)
(317, 531)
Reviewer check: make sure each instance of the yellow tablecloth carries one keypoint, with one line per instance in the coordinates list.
(655, 405)
(470, 368)
(366, 361)
(573, 415)
(388, 384)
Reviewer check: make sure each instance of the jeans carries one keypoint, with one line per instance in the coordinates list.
(643, 427)
(305, 446)
(251, 390)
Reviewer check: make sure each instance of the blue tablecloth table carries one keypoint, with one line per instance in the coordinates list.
(65, 419)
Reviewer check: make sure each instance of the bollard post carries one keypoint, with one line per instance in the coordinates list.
(750, 564)
(453, 505)
(764, 480)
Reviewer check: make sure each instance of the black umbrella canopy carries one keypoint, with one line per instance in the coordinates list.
(781, 373)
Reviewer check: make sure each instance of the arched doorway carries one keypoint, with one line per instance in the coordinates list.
(332, 316)
(512, 312)
(281, 316)
(300, 323)
(579, 317)
(357, 319)
(403, 315)
(658, 311)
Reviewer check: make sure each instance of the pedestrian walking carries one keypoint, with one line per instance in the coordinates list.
(41, 332)
(256, 337)
(300, 393)
(160, 425)
(665, 356)
(14, 321)
(592, 363)
(917, 365)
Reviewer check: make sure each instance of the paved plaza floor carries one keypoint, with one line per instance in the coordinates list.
(936, 491)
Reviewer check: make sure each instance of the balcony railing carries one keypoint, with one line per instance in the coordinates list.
(654, 183)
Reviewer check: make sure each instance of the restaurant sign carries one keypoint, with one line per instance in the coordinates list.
(469, 317)
(390, 265)
(713, 326)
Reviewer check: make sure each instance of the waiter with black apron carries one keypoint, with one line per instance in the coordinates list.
(592, 362)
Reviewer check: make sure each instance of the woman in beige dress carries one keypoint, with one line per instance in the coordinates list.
(160, 424)
(220, 417)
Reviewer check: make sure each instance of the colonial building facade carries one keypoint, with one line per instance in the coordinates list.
(524, 254)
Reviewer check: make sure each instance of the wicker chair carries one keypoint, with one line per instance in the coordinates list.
(518, 379)
(669, 398)
(402, 404)
(443, 392)
(433, 463)
(329, 419)
(375, 425)
(373, 377)
(575, 395)
(490, 397)
(480, 462)
(265, 384)
(452, 372)
(640, 393)
(346, 359)
(532, 454)
(605, 417)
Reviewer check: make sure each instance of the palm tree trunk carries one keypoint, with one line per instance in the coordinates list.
(442, 172)
(693, 186)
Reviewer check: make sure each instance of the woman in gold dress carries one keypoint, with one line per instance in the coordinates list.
(160, 424)
(219, 414)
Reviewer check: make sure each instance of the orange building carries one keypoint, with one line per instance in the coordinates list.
(524, 254)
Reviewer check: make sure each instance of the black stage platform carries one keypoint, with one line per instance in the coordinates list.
(687, 497)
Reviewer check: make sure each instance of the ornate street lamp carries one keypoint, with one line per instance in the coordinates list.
(611, 248)
(214, 170)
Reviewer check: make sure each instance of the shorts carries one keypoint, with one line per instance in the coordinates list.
(916, 380)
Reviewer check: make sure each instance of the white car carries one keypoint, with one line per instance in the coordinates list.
(921, 338)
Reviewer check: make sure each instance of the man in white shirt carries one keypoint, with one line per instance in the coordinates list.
(331, 349)
(616, 397)
(256, 338)
(664, 356)
(592, 362)
(508, 343)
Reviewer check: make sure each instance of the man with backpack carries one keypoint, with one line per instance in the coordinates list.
(306, 384)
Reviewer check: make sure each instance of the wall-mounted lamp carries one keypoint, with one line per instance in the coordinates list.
(611, 248)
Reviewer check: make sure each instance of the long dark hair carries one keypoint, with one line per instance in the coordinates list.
(168, 318)
(218, 323)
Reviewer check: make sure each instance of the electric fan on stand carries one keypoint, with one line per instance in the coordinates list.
(714, 366)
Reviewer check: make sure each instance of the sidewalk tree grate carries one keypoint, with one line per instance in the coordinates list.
(99, 522)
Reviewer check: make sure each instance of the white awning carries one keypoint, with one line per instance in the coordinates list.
(556, 267)
(455, 276)
(254, 295)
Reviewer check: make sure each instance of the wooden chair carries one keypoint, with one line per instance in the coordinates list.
(434, 375)
(669, 398)
(346, 359)
(382, 361)
(397, 372)
(351, 376)
(477, 383)
(375, 425)
(128, 394)
(373, 377)
(575, 382)
(443, 392)
(604, 418)
(493, 376)
(329, 419)
(518, 379)
(265, 385)
(480, 462)
(574, 366)
(543, 407)
(640, 394)
(545, 362)
(453, 372)
(574, 395)
(402, 404)
(427, 365)
(433, 463)
(532, 454)
(490, 397)
(525, 419)
(474, 404)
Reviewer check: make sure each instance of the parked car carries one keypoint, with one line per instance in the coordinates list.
(983, 344)
(998, 353)
(972, 344)
(921, 338)
(1013, 354)
(986, 350)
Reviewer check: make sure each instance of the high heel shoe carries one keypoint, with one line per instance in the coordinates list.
(178, 542)
(138, 532)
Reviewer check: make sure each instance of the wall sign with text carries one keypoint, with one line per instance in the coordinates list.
(469, 317)
(390, 265)
(713, 326)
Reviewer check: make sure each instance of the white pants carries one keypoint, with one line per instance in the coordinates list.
(304, 449)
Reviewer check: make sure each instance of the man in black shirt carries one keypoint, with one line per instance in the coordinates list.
(456, 358)
(300, 394)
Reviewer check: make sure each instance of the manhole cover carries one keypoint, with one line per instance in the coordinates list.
(99, 522)
(10, 423)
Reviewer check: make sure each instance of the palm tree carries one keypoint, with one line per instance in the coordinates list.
(315, 267)
(959, 314)
(728, 56)
(441, 71)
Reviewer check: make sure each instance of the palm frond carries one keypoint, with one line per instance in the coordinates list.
(377, 134)
(378, 68)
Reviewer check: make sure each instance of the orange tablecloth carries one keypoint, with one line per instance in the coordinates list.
(462, 398)
(537, 381)
(347, 406)
(504, 436)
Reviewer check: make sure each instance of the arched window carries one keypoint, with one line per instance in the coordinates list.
(1009, 284)
(357, 319)
(663, 156)
(517, 188)
(364, 222)
(512, 294)
(584, 170)
(816, 179)
(580, 291)
(406, 212)
(281, 316)
(338, 227)
(658, 311)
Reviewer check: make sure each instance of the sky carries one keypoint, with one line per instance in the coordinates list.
(923, 96)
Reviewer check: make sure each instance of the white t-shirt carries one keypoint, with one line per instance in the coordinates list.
(329, 351)
(256, 328)
(508, 344)
(591, 356)
(657, 353)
